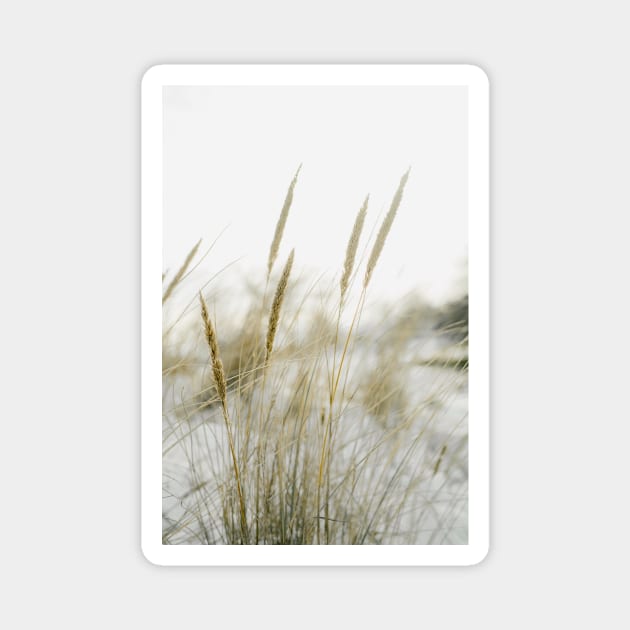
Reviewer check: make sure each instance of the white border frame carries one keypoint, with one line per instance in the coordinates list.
(151, 294)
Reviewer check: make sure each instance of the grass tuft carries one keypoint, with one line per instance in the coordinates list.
(353, 431)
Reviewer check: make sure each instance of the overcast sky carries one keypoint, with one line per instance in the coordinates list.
(230, 153)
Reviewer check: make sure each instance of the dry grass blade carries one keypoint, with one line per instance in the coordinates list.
(282, 220)
(384, 229)
(274, 314)
(180, 274)
(351, 249)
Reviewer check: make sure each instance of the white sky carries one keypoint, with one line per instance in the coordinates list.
(230, 153)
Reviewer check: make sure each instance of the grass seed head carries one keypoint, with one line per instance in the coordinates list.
(180, 274)
(274, 314)
(384, 229)
(351, 249)
(282, 220)
(217, 365)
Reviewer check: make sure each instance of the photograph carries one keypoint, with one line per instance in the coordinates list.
(315, 336)
(336, 250)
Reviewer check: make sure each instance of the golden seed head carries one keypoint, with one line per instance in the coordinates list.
(217, 365)
(384, 229)
(274, 314)
(351, 249)
(282, 220)
(180, 274)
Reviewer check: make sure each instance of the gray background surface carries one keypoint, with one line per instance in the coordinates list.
(69, 246)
